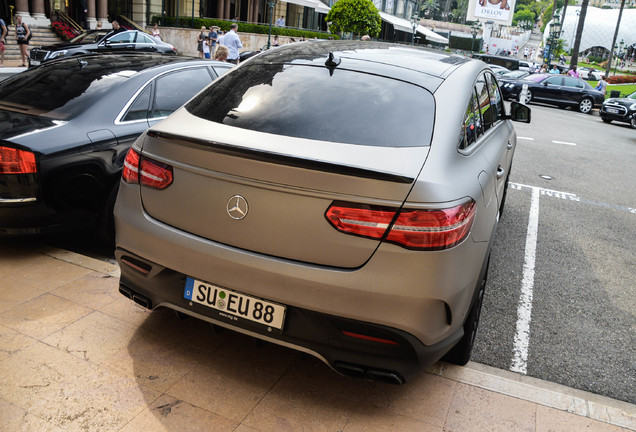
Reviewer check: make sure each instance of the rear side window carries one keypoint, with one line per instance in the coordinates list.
(487, 112)
(174, 89)
(496, 100)
(312, 102)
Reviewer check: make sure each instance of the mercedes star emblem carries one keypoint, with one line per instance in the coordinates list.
(237, 207)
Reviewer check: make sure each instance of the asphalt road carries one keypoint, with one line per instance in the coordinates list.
(564, 264)
(581, 319)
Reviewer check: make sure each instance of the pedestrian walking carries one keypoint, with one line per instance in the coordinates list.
(3, 40)
(22, 36)
(233, 43)
(155, 32)
(602, 85)
(200, 37)
(573, 72)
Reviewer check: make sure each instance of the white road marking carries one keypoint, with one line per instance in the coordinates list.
(564, 142)
(524, 308)
(526, 138)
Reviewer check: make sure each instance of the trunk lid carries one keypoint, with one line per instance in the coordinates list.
(284, 185)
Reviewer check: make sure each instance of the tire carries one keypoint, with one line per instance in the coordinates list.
(633, 122)
(505, 194)
(105, 228)
(460, 353)
(606, 120)
(586, 105)
(528, 98)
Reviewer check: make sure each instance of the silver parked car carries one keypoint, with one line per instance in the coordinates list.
(339, 198)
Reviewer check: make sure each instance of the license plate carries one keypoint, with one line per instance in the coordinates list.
(35, 63)
(612, 110)
(234, 305)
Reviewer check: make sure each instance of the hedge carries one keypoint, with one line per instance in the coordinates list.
(465, 44)
(197, 23)
(621, 79)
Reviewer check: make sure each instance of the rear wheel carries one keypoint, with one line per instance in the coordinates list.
(586, 105)
(528, 98)
(106, 221)
(633, 121)
(460, 353)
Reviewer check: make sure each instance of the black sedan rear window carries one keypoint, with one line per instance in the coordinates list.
(316, 103)
(62, 90)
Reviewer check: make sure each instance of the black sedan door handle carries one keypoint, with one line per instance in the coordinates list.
(509, 145)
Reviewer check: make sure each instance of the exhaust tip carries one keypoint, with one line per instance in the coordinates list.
(357, 371)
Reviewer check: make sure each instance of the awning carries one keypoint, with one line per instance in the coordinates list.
(314, 4)
(322, 8)
(431, 35)
(405, 25)
(400, 24)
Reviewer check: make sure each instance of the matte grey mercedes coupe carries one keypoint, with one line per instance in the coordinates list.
(339, 198)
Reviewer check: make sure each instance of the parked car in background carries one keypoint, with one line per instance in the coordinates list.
(590, 74)
(512, 75)
(91, 42)
(621, 109)
(563, 91)
(65, 128)
(286, 202)
(509, 63)
(498, 71)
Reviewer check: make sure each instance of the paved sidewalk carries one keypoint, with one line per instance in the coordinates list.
(75, 355)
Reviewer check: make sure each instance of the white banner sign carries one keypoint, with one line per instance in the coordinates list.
(498, 11)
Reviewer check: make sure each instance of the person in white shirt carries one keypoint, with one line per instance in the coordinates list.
(280, 22)
(220, 37)
(233, 44)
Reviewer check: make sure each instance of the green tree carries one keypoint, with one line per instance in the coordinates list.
(430, 7)
(356, 16)
(523, 15)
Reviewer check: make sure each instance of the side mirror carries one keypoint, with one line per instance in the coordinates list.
(519, 112)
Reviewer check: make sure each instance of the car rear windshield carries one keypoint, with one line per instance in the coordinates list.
(320, 104)
(61, 93)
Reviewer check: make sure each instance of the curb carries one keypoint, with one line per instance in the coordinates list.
(557, 396)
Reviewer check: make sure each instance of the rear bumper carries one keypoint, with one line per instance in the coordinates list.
(315, 333)
(33, 218)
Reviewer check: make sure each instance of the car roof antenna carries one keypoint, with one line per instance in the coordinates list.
(332, 62)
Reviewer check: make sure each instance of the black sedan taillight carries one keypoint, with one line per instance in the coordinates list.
(15, 161)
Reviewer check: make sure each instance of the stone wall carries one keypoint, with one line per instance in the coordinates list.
(185, 40)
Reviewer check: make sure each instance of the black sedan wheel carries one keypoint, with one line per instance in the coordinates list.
(586, 105)
(633, 122)
(606, 120)
(527, 99)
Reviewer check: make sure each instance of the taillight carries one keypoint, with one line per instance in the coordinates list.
(145, 171)
(412, 229)
(130, 174)
(14, 161)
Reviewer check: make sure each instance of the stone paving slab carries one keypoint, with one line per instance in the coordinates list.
(77, 356)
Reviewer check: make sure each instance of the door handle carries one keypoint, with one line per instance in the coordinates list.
(500, 172)
(509, 145)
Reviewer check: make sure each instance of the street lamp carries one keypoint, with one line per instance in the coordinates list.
(271, 4)
(474, 29)
(415, 21)
(618, 53)
(555, 32)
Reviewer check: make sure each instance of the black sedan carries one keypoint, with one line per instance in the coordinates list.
(559, 90)
(620, 110)
(65, 128)
(131, 40)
